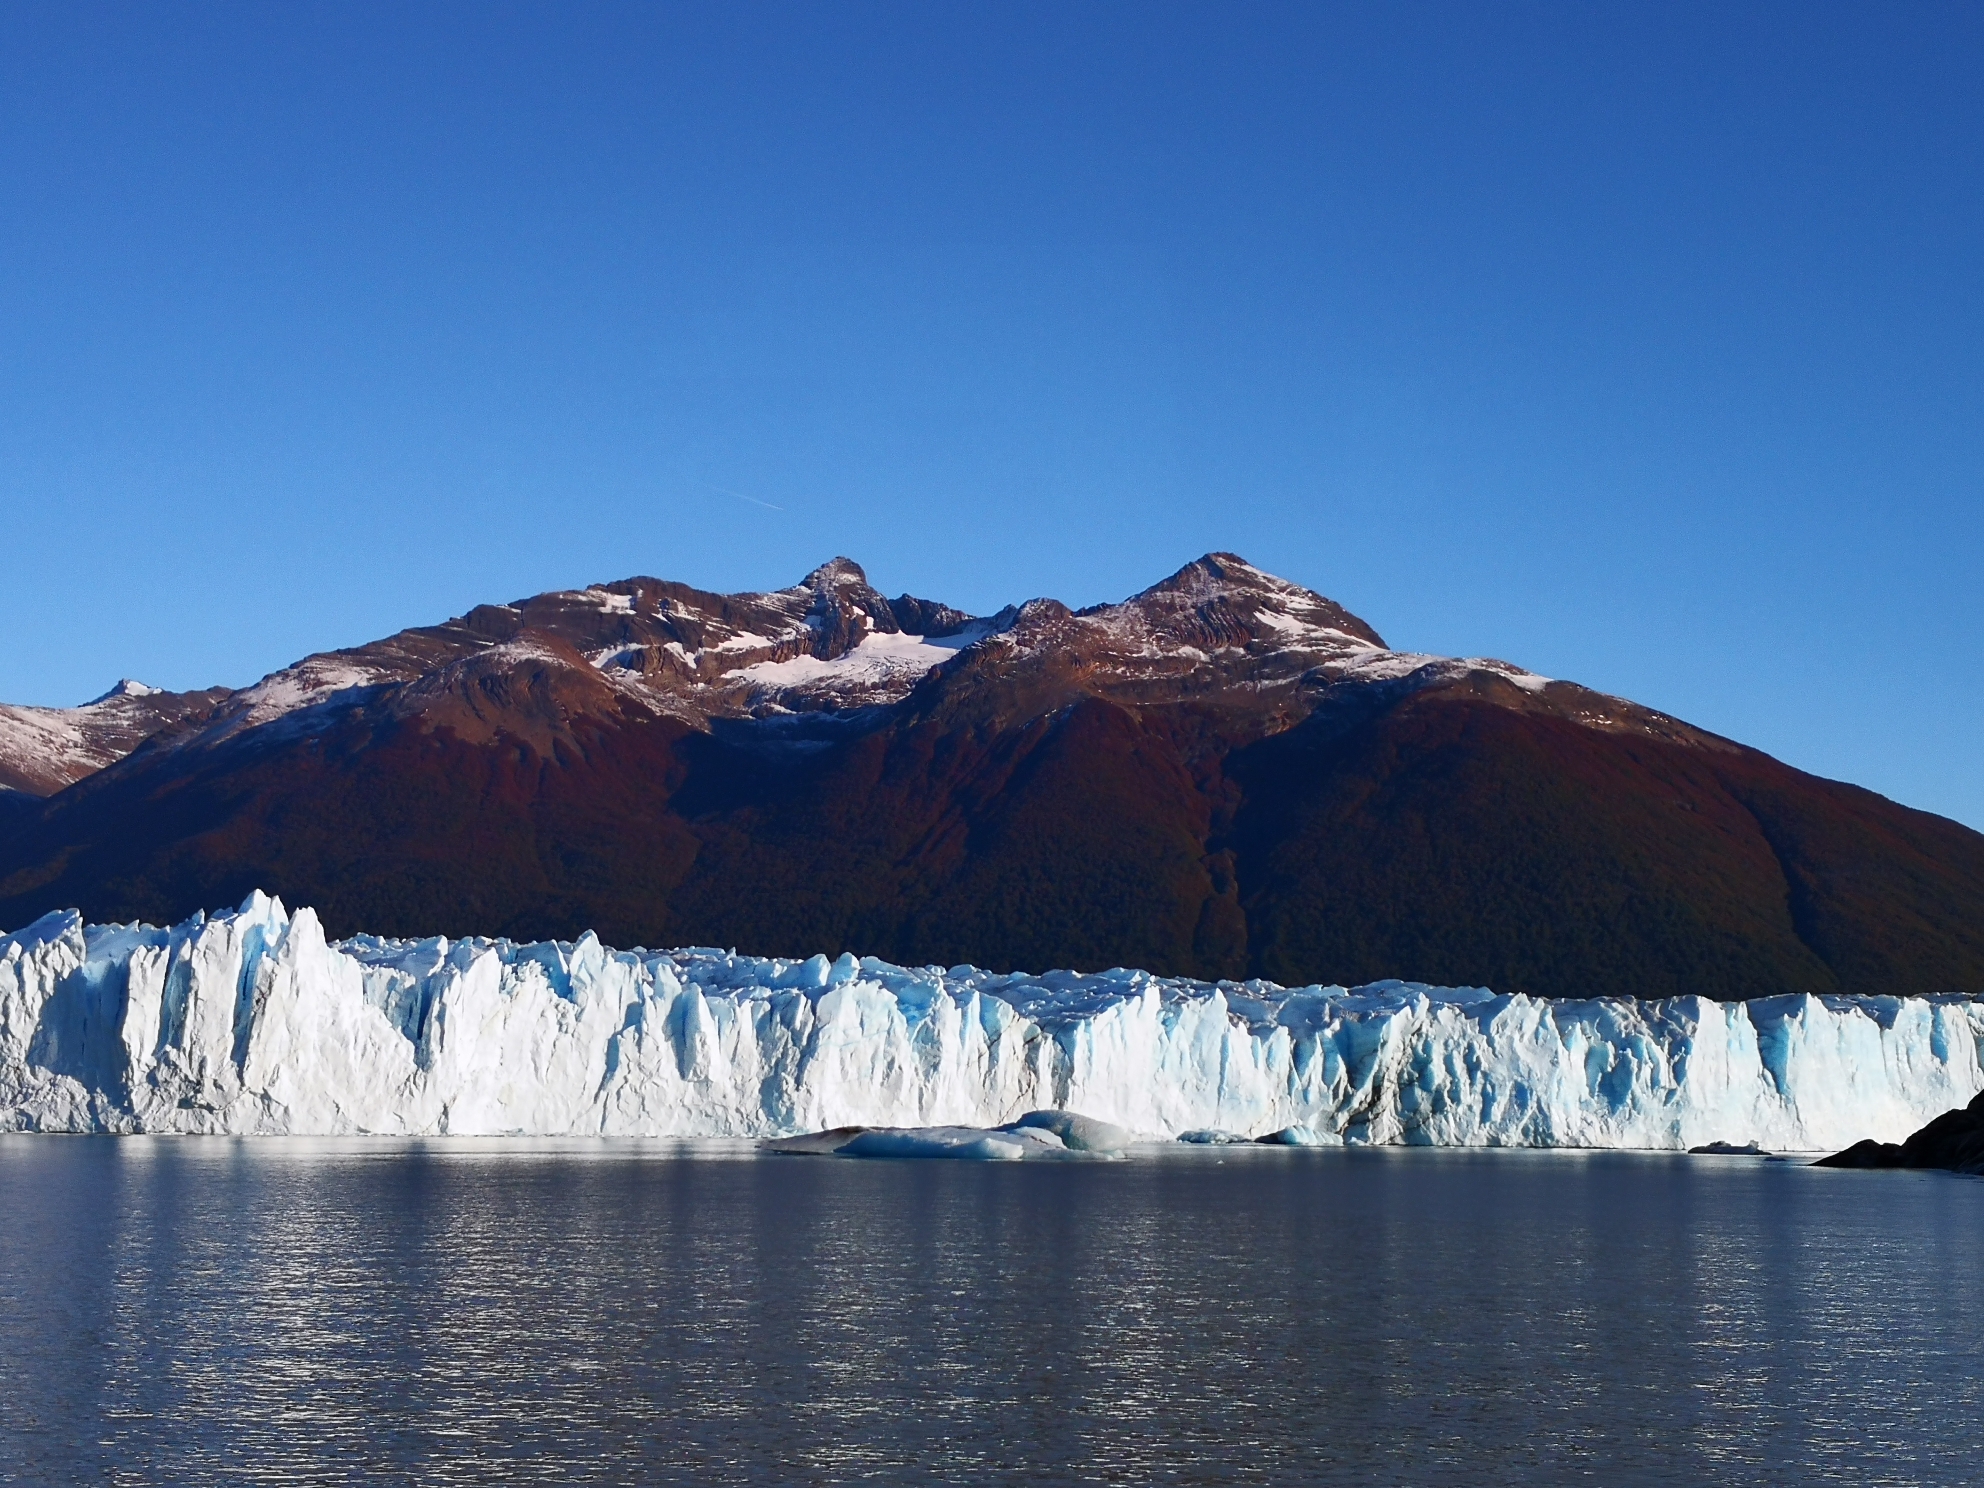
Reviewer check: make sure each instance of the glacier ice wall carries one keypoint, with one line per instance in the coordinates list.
(252, 1023)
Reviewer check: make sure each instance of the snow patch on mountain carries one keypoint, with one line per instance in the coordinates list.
(252, 1023)
(49, 741)
(129, 687)
(751, 641)
(314, 680)
(877, 658)
(1372, 664)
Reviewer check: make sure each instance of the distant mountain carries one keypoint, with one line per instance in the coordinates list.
(44, 749)
(1224, 776)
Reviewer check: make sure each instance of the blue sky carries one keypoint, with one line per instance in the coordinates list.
(1641, 345)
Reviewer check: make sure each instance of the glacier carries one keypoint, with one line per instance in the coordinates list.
(252, 1022)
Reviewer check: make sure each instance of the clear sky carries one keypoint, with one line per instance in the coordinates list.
(1639, 344)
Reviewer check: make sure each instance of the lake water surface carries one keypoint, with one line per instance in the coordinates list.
(297, 1311)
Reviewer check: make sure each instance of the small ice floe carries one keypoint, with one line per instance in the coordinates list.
(1078, 1133)
(1211, 1137)
(1300, 1136)
(813, 1144)
(1036, 1135)
(969, 1142)
(1728, 1149)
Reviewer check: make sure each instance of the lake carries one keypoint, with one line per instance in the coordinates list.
(303, 1311)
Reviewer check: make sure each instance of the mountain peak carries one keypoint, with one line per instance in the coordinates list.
(834, 573)
(1223, 590)
(127, 687)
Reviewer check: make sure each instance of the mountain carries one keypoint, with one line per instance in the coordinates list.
(1224, 776)
(44, 749)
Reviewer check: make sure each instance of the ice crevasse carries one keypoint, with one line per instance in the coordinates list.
(252, 1022)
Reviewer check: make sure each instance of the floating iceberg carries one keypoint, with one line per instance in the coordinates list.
(1038, 1135)
(1006, 1144)
(252, 1023)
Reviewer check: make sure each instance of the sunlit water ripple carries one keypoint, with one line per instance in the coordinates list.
(291, 1311)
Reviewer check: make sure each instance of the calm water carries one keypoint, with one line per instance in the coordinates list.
(201, 1311)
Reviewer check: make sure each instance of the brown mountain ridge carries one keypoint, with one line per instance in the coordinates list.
(1225, 776)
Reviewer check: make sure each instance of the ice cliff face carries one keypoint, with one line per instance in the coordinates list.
(252, 1023)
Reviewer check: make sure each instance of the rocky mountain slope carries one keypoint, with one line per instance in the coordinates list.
(1223, 776)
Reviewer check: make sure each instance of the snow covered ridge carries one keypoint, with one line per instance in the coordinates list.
(252, 1023)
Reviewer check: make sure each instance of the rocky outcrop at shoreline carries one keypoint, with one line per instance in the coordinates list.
(1953, 1141)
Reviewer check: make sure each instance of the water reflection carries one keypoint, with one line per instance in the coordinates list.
(199, 1311)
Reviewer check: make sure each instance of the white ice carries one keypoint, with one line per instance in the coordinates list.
(250, 1022)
